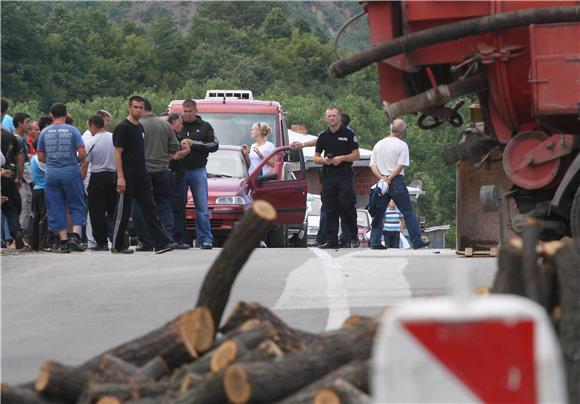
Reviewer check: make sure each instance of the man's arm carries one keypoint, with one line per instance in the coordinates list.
(300, 145)
(352, 156)
(82, 153)
(121, 184)
(318, 159)
(19, 169)
(394, 173)
(84, 169)
(185, 150)
(41, 156)
(377, 173)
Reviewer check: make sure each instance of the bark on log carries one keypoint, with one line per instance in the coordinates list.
(218, 282)
(289, 339)
(567, 261)
(60, 382)
(126, 391)
(341, 392)
(211, 390)
(509, 277)
(355, 372)
(260, 382)
(155, 369)
(19, 395)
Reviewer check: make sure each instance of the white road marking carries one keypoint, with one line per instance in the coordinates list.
(361, 278)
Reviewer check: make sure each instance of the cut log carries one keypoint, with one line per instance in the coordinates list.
(190, 380)
(19, 395)
(260, 382)
(509, 277)
(109, 400)
(111, 364)
(341, 392)
(155, 369)
(56, 381)
(355, 372)
(567, 261)
(244, 238)
(124, 391)
(289, 339)
(355, 320)
(211, 390)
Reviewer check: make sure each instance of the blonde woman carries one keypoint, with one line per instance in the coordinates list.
(261, 148)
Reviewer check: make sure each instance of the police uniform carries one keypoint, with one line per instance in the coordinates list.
(337, 182)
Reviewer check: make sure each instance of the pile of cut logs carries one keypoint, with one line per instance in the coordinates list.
(253, 357)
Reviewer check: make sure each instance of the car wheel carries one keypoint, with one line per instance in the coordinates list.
(278, 237)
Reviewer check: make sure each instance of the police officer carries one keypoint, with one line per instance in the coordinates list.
(340, 148)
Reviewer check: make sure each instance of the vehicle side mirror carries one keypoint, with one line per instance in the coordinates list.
(267, 177)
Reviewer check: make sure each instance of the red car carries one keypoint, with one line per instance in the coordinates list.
(232, 191)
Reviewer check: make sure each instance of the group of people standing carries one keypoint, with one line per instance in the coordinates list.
(147, 161)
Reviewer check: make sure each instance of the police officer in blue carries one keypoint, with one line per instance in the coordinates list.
(340, 148)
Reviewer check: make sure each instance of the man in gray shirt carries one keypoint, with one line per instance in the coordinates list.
(160, 145)
(102, 188)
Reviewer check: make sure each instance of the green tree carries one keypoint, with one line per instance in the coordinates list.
(276, 24)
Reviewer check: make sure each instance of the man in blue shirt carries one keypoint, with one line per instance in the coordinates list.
(58, 147)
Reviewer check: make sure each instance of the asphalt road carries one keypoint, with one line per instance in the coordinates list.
(71, 307)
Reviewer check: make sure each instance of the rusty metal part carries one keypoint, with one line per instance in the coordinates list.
(434, 97)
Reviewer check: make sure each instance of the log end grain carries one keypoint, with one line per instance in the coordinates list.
(271, 348)
(237, 384)
(264, 210)
(190, 380)
(109, 400)
(326, 396)
(197, 330)
(223, 356)
(43, 378)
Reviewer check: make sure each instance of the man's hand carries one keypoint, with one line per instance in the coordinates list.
(328, 160)
(388, 179)
(7, 173)
(121, 185)
(337, 160)
(4, 198)
(18, 182)
(187, 142)
(297, 145)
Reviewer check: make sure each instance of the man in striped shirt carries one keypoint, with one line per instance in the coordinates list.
(392, 225)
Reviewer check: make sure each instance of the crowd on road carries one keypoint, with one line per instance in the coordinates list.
(64, 191)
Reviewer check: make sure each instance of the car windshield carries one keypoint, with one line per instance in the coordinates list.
(226, 163)
(234, 129)
(362, 219)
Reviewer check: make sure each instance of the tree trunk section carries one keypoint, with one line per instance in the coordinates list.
(126, 391)
(245, 237)
(289, 339)
(56, 381)
(509, 278)
(341, 392)
(155, 369)
(355, 372)
(19, 395)
(260, 382)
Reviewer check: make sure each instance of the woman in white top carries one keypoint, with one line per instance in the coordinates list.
(260, 149)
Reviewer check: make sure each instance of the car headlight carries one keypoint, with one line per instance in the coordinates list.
(229, 200)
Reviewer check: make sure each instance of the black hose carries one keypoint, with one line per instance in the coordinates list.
(448, 32)
(340, 31)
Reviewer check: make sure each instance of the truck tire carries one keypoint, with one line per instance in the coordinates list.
(575, 215)
(278, 237)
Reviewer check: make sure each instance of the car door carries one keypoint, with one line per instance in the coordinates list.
(286, 193)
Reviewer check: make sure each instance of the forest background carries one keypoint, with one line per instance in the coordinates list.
(93, 55)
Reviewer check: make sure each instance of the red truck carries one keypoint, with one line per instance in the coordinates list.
(522, 60)
(232, 113)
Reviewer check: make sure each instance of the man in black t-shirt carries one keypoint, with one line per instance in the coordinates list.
(133, 181)
(340, 148)
(12, 168)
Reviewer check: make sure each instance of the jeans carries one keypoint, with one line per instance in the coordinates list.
(196, 181)
(162, 194)
(178, 201)
(400, 194)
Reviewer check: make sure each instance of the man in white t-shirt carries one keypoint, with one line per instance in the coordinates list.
(388, 161)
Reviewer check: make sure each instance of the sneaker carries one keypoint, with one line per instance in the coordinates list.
(99, 248)
(329, 246)
(345, 245)
(165, 248)
(379, 247)
(142, 248)
(355, 244)
(63, 247)
(263, 244)
(122, 251)
(206, 245)
(422, 244)
(75, 243)
(183, 246)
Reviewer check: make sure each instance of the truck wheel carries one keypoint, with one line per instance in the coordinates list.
(575, 215)
(278, 237)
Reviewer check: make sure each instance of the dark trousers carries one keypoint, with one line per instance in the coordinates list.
(337, 198)
(392, 238)
(162, 194)
(178, 201)
(400, 194)
(39, 220)
(346, 235)
(141, 191)
(102, 194)
(12, 207)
